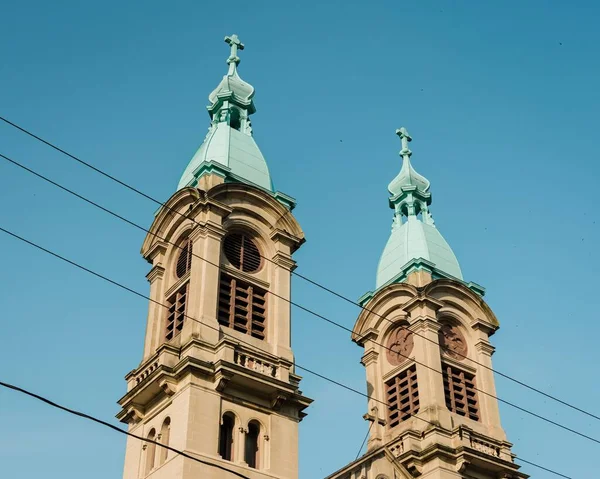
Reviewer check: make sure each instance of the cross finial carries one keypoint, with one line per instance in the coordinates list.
(404, 138)
(234, 42)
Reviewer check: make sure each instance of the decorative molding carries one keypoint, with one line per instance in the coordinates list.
(370, 334)
(284, 260)
(277, 400)
(209, 229)
(158, 248)
(279, 235)
(485, 347)
(369, 357)
(168, 386)
(221, 380)
(157, 272)
(425, 324)
(133, 415)
(483, 325)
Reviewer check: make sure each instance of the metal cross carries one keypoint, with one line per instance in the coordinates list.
(234, 42)
(404, 137)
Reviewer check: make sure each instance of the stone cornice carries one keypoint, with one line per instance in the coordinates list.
(155, 273)
(287, 238)
(485, 347)
(423, 324)
(422, 301)
(483, 325)
(284, 260)
(370, 334)
(159, 247)
(369, 357)
(208, 229)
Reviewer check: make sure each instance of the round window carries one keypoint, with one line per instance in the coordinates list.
(242, 252)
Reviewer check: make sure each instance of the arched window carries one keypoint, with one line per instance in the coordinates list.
(165, 434)
(251, 450)
(150, 451)
(226, 436)
(184, 260)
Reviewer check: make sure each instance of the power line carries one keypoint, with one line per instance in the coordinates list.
(115, 428)
(314, 373)
(314, 283)
(303, 308)
(364, 440)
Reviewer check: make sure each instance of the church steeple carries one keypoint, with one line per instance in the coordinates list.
(414, 242)
(217, 377)
(229, 148)
(427, 355)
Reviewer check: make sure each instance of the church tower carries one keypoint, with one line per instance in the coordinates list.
(425, 332)
(217, 377)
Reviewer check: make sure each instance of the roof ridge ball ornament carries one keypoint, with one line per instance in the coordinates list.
(405, 138)
(235, 44)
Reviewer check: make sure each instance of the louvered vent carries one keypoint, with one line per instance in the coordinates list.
(402, 396)
(460, 392)
(242, 252)
(176, 313)
(242, 306)
(184, 260)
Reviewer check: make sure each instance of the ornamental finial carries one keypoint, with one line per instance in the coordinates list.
(234, 42)
(404, 138)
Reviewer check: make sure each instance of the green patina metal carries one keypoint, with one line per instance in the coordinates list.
(229, 143)
(415, 242)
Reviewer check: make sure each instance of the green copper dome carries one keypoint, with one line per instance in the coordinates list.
(229, 146)
(414, 235)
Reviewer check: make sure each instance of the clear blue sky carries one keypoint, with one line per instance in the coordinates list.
(501, 99)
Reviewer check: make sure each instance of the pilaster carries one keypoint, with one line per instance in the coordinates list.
(155, 311)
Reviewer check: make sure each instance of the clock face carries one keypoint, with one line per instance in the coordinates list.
(452, 342)
(400, 345)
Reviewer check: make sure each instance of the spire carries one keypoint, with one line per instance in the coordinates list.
(232, 90)
(414, 236)
(409, 186)
(233, 61)
(229, 148)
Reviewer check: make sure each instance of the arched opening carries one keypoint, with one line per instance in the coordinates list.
(165, 434)
(226, 436)
(234, 119)
(251, 449)
(150, 451)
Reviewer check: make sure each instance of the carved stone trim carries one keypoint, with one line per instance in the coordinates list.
(221, 380)
(278, 400)
(133, 415)
(169, 387)
(284, 260)
(485, 347)
(155, 273)
(369, 357)
(158, 248)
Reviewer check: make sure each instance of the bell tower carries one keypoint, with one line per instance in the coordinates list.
(427, 355)
(217, 377)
